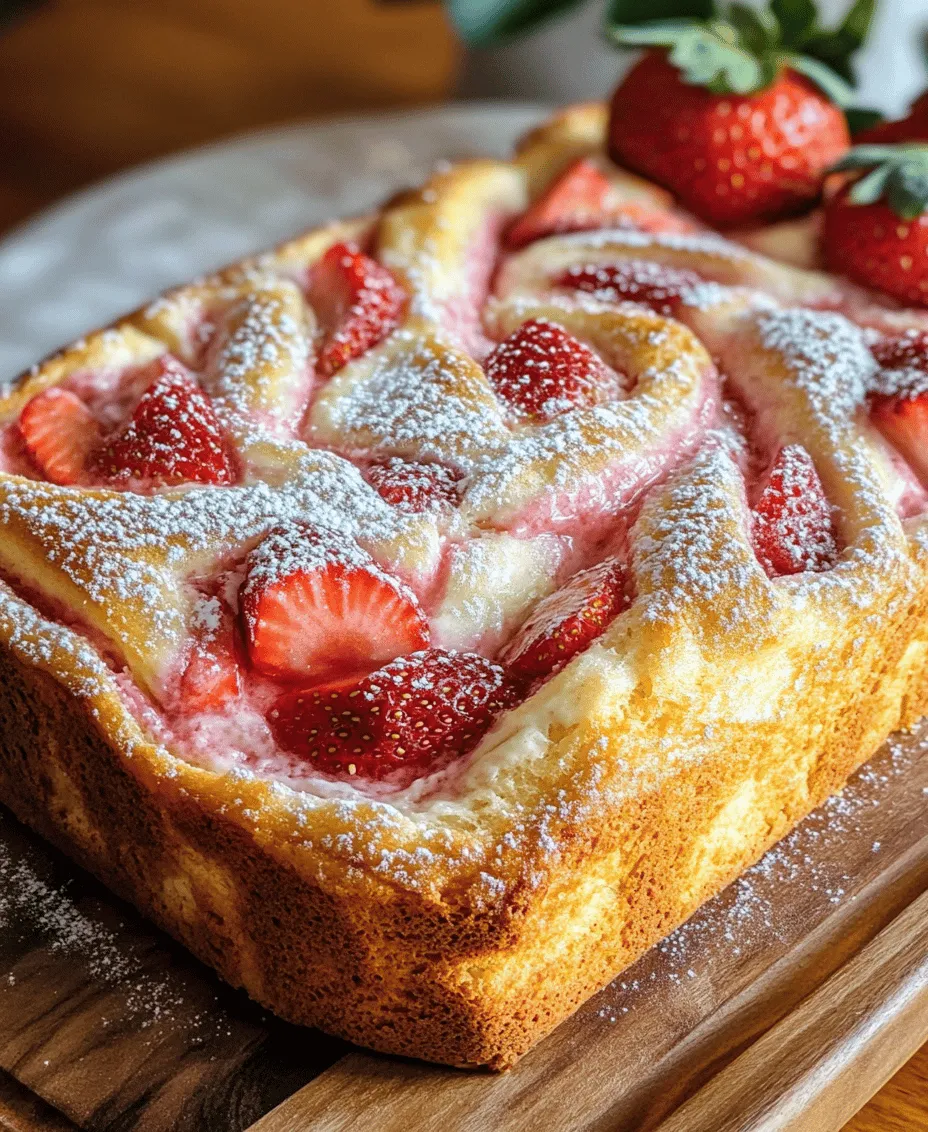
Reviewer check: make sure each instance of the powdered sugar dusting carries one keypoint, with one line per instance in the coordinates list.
(260, 376)
(420, 398)
(828, 359)
(570, 486)
(57, 916)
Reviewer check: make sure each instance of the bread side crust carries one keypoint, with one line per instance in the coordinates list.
(656, 784)
(389, 969)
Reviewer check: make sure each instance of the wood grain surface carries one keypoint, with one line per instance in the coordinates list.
(90, 86)
(799, 1076)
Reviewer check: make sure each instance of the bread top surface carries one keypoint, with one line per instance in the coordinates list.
(99, 582)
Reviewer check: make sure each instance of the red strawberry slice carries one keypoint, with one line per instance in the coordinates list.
(59, 432)
(904, 422)
(583, 198)
(655, 285)
(316, 607)
(912, 128)
(542, 371)
(907, 352)
(792, 528)
(566, 622)
(414, 713)
(358, 303)
(212, 674)
(173, 436)
(900, 405)
(412, 486)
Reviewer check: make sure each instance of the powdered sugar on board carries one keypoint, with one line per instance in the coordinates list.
(57, 916)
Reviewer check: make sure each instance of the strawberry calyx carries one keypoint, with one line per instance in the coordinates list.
(896, 174)
(741, 50)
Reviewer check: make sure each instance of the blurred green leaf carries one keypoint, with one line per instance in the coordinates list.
(711, 54)
(856, 25)
(647, 11)
(899, 175)
(834, 85)
(796, 19)
(481, 22)
(757, 31)
(834, 47)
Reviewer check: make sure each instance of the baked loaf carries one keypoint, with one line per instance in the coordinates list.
(620, 543)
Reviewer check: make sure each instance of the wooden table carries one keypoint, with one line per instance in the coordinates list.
(88, 87)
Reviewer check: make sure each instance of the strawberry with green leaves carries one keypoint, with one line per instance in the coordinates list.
(875, 229)
(737, 111)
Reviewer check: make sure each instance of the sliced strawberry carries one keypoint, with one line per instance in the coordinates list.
(583, 198)
(173, 436)
(358, 303)
(212, 674)
(59, 432)
(412, 486)
(566, 622)
(542, 371)
(904, 422)
(907, 352)
(655, 285)
(316, 607)
(899, 403)
(414, 713)
(792, 528)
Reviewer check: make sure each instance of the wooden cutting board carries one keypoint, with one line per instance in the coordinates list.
(783, 1004)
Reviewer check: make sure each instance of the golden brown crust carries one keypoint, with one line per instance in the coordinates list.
(713, 715)
(397, 974)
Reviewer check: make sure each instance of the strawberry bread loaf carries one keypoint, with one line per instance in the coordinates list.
(420, 620)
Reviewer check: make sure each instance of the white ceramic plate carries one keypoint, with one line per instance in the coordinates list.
(111, 247)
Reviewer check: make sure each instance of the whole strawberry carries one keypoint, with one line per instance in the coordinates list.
(738, 112)
(875, 228)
